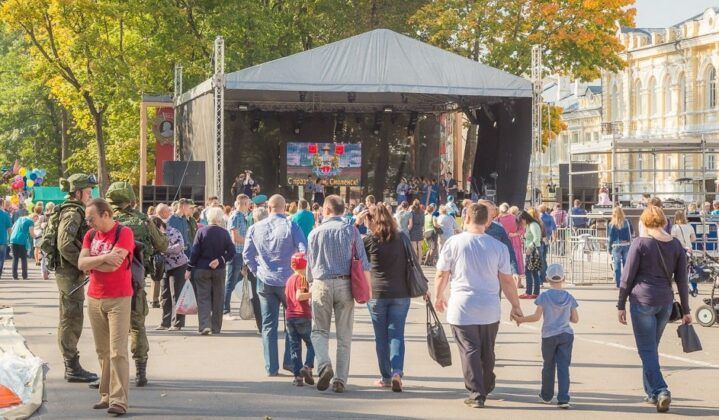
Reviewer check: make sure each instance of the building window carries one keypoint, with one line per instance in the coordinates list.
(710, 163)
(638, 98)
(712, 88)
(651, 91)
(682, 94)
(668, 100)
(616, 110)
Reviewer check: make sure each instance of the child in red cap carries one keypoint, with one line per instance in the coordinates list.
(299, 320)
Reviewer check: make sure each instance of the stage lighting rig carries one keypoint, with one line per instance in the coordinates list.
(510, 112)
(412, 124)
(299, 122)
(256, 121)
(490, 115)
(377, 123)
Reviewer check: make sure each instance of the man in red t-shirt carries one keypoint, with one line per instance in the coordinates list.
(106, 254)
(299, 320)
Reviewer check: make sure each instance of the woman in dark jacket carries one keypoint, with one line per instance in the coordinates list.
(211, 251)
(416, 225)
(619, 233)
(646, 282)
(390, 295)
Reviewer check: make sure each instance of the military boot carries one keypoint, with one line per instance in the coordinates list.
(140, 373)
(75, 373)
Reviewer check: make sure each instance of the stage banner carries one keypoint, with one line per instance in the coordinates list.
(336, 163)
(163, 127)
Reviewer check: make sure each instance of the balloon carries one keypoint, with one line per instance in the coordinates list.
(33, 176)
(18, 178)
(39, 181)
(22, 171)
(30, 183)
(42, 173)
(14, 200)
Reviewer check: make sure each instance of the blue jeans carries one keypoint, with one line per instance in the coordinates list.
(271, 297)
(299, 330)
(648, 323)
(544, 250)
(533, 279)
(3, 253)
(557, 355)
(234, 276)
(388, 319)
(619, 256)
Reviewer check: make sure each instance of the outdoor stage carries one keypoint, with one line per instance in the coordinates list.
(384, 90)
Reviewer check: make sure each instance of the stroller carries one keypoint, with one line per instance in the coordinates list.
(706, 315)
(699, 271)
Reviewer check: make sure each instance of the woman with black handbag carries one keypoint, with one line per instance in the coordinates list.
(391, 293)
(655, 261)
(533, 257)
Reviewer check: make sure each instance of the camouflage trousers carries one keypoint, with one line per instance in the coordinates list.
(71, 310)
(138, 335)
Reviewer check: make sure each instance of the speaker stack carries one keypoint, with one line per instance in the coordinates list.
(181, 179)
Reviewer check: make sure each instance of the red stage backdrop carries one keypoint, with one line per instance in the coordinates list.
(163, 126)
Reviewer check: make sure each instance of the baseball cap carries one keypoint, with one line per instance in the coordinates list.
(555, 273)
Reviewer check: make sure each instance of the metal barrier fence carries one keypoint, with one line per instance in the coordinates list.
(584, 256)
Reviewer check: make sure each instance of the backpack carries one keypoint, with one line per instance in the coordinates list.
(137, 268)
(137, 222)
(48, 244)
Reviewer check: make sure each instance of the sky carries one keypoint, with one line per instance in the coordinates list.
(665, 13)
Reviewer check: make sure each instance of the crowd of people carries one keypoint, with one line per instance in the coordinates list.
(300, 260)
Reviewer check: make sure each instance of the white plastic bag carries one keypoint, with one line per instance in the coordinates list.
(187, 303)
(246, 311)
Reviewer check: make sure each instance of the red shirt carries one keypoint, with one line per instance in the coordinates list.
(119, 282)
(295, 308)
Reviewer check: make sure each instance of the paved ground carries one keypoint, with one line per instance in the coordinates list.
(223, 376)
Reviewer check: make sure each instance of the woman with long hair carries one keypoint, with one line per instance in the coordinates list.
(619, 233)
(430, 235)
(654, 259)
(684, 232)
(532, 249)
(390, 295)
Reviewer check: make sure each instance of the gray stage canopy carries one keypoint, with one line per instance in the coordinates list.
(369, 72)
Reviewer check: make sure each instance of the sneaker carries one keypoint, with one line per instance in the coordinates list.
(175, 328)
(396, 383)
(298, 381)
(306, 374)
(338, 387)
(534, 296)
(206, 331)
(549, 401)
(650, 400)
(694, 293)
(326, 375)
(664, 399)
(382, 384)
(228, 317)
(526, 296)
(161, 328)
(474, 403)
(564, 405)
(116, 410)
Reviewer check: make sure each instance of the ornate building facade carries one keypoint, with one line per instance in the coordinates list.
(666, 97)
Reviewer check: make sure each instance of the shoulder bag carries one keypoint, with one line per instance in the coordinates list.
(437, 342)
(417, 283)
(360, 287)
(676, 306)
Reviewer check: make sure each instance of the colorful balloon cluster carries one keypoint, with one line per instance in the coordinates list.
(22, 179)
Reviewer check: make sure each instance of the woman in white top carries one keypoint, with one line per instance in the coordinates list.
(684, 232)
(448, 225)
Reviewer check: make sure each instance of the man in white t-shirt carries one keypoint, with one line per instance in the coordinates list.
(478, 266)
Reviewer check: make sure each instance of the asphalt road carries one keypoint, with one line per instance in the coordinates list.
(192, 376)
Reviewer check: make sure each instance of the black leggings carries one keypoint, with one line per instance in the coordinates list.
(19, 252)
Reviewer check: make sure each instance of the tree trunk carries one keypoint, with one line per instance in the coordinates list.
(470, 152)
(64, 153)
(102, 175)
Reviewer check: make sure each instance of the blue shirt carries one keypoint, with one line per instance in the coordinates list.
(329, 250)
(557, 305)
(549, 225)
(305, 220)
(496, 230)
(269, 246)
(579, 222)
(5, 224)
(238, 222)
(180, 223)
(21, 231)
(619, 235)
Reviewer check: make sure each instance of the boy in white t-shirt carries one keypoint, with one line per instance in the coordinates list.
(559, 308)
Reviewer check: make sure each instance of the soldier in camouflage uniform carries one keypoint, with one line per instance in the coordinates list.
(71, 230)
(122, 199)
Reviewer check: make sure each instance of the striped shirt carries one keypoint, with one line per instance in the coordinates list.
(238, 222)
(329, 249)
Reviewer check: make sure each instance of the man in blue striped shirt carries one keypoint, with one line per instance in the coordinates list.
(237, 225)
(329, 262)
(268, 250)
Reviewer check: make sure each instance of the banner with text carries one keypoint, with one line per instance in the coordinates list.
(335, 163)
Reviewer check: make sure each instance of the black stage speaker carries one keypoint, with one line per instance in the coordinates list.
(155, 194)
(184, 173)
